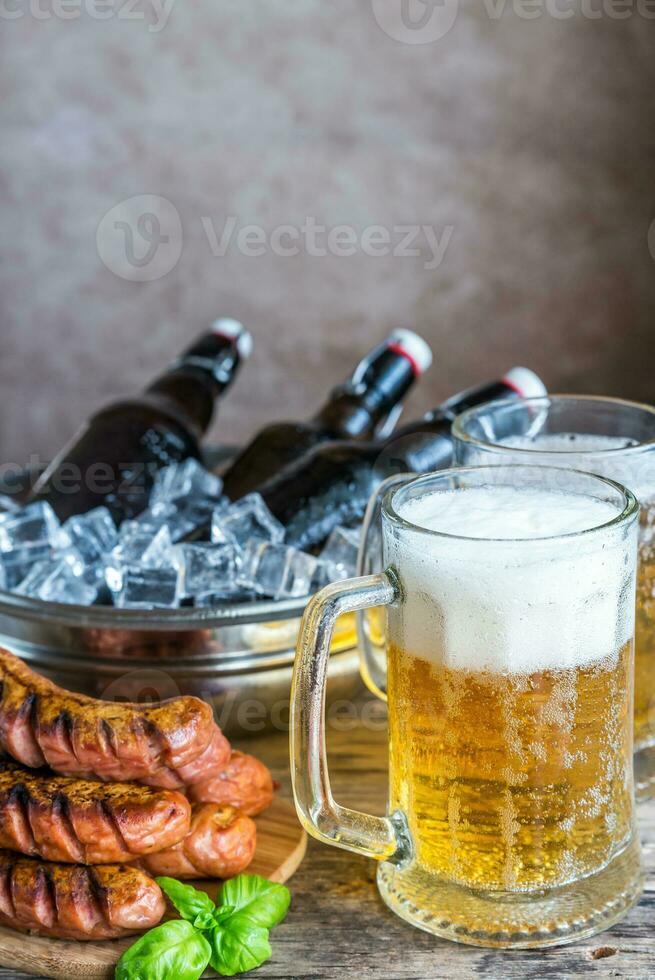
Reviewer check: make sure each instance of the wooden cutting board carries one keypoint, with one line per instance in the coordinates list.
(281, 844)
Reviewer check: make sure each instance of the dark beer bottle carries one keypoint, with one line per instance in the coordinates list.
(353, 410)
(113, 459)
(331, 485)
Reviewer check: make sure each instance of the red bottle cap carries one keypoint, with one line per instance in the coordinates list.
(414, 348)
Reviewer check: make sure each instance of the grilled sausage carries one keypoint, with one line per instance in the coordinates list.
(61, 818)
(245, 783)
(220, 844)
(72, 901)
(168, 744)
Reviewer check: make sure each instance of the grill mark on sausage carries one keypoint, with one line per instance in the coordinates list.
(25, 810)
(61, 813)
(63, 730)
(27, 719)
(18, 803)
(93, 892)
(157, 744)
(108, 736)
(45, 897)
(110, 818)
(99, 894)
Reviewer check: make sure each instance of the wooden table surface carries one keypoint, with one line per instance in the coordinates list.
(339, 928)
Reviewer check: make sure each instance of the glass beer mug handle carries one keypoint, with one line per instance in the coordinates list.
(383, 838)
(369, 560)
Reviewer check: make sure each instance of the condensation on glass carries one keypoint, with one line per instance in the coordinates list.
(509, 594)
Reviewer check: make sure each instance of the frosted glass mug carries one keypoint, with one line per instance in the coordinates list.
(510, 817)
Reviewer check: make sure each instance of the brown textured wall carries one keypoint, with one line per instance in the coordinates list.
(531, 139)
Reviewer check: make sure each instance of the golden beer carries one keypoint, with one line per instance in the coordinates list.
(512, 782)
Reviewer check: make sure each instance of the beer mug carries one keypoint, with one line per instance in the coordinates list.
(607, 436)
(510, 602)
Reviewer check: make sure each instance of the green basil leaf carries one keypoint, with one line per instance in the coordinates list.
(262, 902)
(188, 901)
(238, 946)
(204, 921)
(221, 914)
(172, 949)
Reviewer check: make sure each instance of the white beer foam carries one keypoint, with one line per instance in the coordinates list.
(569, 442)
(505, 605)
(586, 451)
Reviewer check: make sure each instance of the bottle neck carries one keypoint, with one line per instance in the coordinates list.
(427, 443)
(471, 397)
(355, 409)
(201, 374)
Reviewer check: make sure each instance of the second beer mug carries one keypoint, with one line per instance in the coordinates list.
(613, 438)
(510, 595)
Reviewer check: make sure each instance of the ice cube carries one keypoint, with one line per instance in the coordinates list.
(33, 525)
(145, 588)
(73, 558)
(160, 551)
(16, 564)
(182, 518)
(57, 581)
(139, 545)
(340, 553)
(248, 519)
(192, 517)
(182, 480)
(276, 570)
(92, 534)
(218, 533)
(8, 504)
(208, 568)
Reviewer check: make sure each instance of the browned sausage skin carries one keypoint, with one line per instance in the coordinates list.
(61, 818)
(245, 783)
(168, 744)
(71, 901)
(221, 843)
